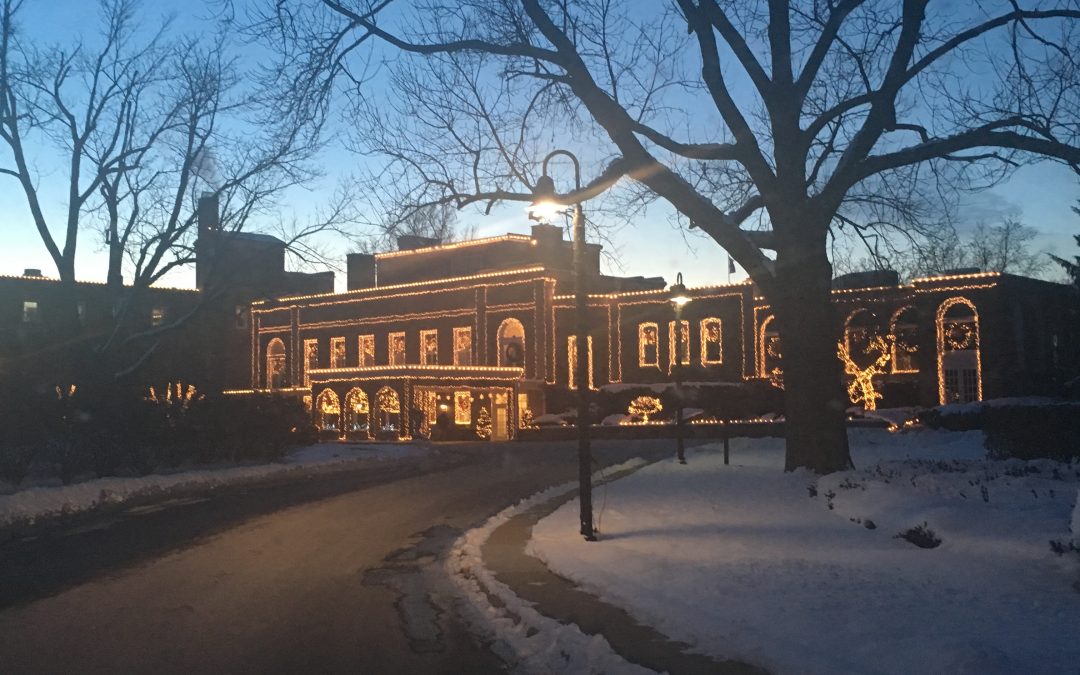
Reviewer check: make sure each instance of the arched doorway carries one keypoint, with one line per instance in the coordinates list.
(275, 364)
(328, 411)
(389, 411)
(511, 343)
(958, 352)
(356, 412)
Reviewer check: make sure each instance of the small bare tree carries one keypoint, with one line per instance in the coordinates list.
(143, 124)
(771, 125)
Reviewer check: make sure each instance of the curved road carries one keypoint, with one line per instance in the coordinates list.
(330, 574)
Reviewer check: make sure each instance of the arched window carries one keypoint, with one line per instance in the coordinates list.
(768, 356)
(389, 410)
(648, 345)
(904, 327)
(275, 364)
(327, 411)
(356, 411)
(859, 328)
(712, 342)
(958, 352)
(511, 339)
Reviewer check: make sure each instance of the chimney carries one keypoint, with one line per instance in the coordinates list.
(360, 271)
(410, 242)
(207, 214)
(31, 272)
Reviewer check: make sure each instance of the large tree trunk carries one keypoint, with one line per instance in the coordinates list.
(814, 397)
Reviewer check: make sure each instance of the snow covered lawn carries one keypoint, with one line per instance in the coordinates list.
(802, 574)
(33, 503)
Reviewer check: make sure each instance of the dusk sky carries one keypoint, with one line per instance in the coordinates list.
(649, 245)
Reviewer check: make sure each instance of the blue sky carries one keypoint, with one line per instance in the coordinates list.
(1041, 194)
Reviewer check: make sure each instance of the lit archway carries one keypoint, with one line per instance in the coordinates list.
(356, 411)
(328, 411)
(959, 358)
(275, 364)
(904, 328)
(511, 343)
(768, 356)
(389, 410)
(859, 327)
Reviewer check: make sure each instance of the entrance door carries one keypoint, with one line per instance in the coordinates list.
(500, 414)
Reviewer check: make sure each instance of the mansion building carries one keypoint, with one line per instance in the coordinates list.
(480, 334)
(433, 335)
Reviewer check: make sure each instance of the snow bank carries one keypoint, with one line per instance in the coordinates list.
(1023, 401)
(749, 562)
(524, 637)
(32, 504)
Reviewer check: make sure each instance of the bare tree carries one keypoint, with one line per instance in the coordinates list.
(143, 124)
(770, 125)
(1004, 247)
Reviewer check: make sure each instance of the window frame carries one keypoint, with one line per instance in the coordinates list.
(705, 341)
(390, 349)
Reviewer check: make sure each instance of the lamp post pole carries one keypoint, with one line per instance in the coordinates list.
(678, 299)
(543, 200)
(582, 372)
(678, 386)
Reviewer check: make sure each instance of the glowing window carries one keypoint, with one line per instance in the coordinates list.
(275, 364)
(327, 411)
(905, 332)
(712, 343)
(685, 337)
(511, 339)
(648, 345)
(571, 361)
(366, 350)
(356, 410)
(462, 407)
(859, 330)
(397, 349)
(524, 414)
(337, 352)
(429, 347)
(311, 358)
(769, 349)
(463, 346)
(30, 311)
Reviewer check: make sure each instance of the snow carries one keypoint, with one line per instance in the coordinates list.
(894, 416)
(616, 420)
(523, 636)
(742, 562)
(1021, 401)
(34, 503)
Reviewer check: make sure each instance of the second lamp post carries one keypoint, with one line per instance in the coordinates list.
(679, 299)
(545, 206)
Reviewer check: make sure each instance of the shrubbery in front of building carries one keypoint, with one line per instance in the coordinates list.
(71, 433)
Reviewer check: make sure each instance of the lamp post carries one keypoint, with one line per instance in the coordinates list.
(679, 299)
(544, 207)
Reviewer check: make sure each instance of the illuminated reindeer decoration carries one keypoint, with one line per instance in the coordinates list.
(861, 388)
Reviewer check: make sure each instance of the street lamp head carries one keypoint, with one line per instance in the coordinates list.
(678, 292)
(544, 208)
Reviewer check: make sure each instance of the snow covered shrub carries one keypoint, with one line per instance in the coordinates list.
(920, 535)
(1033, 432)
